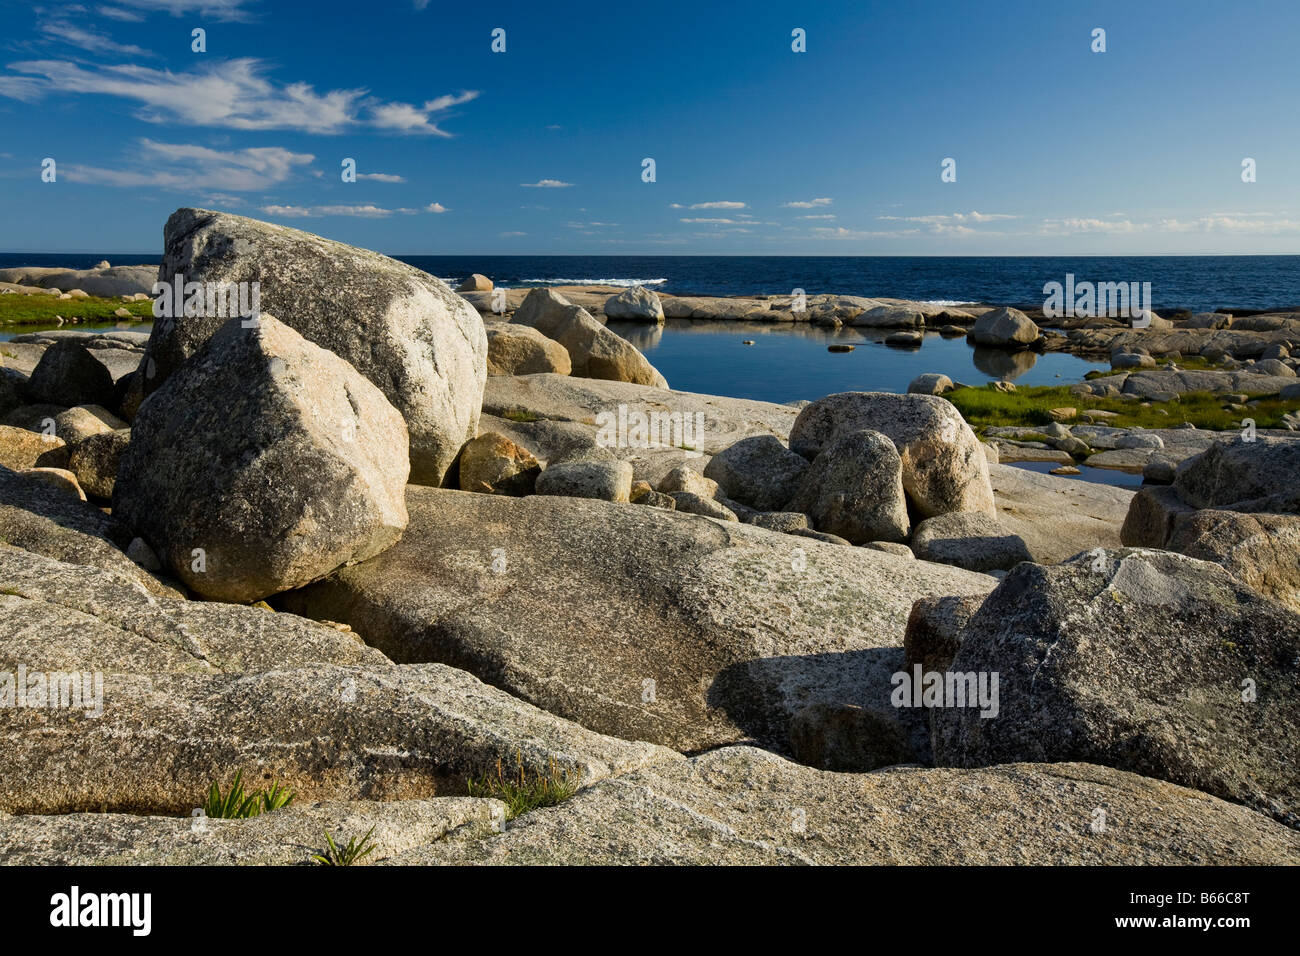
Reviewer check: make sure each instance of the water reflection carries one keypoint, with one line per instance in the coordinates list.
(790, 360)
(1001, 364)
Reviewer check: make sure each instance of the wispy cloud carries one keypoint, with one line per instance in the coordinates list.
(231, 94)
(826, 215)
(547, 184)
(950, 218)
(806, 203)
(382, 177)
(118, 13)
(181, 166)
(90, 40)
(720, 204)
(224, 10)
(313, 212)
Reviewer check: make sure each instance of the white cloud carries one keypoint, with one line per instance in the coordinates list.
(181, 166)
(721, 222)
(417, 119)
(718, 205)
(950, 218)
(507, 235)
(89, 40)
(807, 203)
(312, 212)
(117, 13)
(828, 215)
(435, 207)
(382, 177)
(226, 10)
(1070, 227)
(232, 94)
(25, 88)
(546, 184)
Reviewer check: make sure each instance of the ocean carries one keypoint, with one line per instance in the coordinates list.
(1197, 283)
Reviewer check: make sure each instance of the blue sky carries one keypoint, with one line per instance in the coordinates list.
(757, 149)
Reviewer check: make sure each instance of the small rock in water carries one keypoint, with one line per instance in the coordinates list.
(747, 342)
(1066, 470)
(840, 348)
(905, 339)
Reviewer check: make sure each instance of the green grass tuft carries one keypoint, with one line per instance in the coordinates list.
(238, 805)
(355, 850)
(522, 792)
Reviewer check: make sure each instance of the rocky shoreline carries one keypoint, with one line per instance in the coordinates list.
(384, 538)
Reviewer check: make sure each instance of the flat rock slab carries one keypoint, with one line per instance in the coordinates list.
(703, 424)
(325, 732)
(1058, 517)
(638, 622)
(71, 617)
(738, 805)
(287, 837)
(1148, 384)
(1241, 343)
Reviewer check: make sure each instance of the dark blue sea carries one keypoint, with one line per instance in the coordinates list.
(1199, 283)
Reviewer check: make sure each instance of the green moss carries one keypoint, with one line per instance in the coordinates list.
(519, 415)
(984, 407)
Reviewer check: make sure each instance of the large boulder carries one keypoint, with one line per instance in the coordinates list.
(475, 283)
(1259, 475)
(970, 540)
(95, 461)
(642, 622)
(262, 464)
(944, 468)
(521, 350)
(421, 344)
(594, 351)
(931, 383)
(602, 477)
(85, 420)
(636, 305)
(1005, 328)
(493, 464)
(1142, 660)
(67, 374)
(21, 449)
(1153, 514)
(854, 489)
(1260, 550)
(760, 472)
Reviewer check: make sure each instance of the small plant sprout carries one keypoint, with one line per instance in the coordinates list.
(355, 850)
